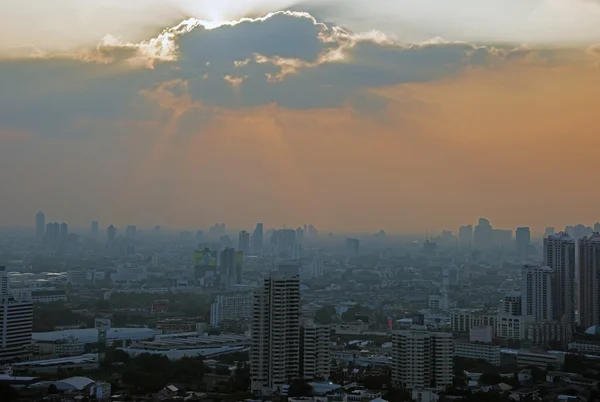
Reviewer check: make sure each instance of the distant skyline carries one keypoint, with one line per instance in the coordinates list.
(406, 116)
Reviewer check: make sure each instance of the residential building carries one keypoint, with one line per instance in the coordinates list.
(275, 347)
(523, 241)
(537, 293)
(40, 226)
(559, 254)
(422, 359)
(478, 350)
(589, 280)
(228, 308)
(16, 323)
(244, 242)
(315, 351)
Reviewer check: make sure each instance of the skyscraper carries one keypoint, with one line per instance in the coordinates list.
(465, 236)
(597, 227)
(536, 290)
(589, 280)
(422, 359)
(40, 226)
(523, 241)
(64, 233)
(257, 239)
(244, 242)
(352, 246)
(483, 234)
(559, 254)
(16, 323)
(111, 233)
(130, 231)
(275, 345)
(549, 231)
(227, 268)
(95, 229)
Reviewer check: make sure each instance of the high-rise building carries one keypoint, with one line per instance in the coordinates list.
(523, 241)
(228, 308)
(315, 359)
(465, 236)
(597, 227)
(589, 280)
(111, 233)
(244, 242)
(16, 323)
(40, 226)
(483, 234)
(299, 235)
(512, 304)
(559, 254)
(275, 345)
(95, 229)
(257, 239)
(227, 268)
(283, 242)
(449, 275)
(64, 233)
(422, 359)
(130, 231)
(536, 293)
(549, 231)
(352, 246)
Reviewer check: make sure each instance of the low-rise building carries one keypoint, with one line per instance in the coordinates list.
(478, 350)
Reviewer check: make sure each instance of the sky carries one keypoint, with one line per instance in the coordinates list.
(355, 116)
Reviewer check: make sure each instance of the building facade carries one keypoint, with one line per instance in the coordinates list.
(229, 308)
(589, 280)
(559, 254)
(536, 290)
(315, 351)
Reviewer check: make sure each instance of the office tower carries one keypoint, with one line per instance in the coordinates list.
(501, 238)
(597, 227)
(64, 233)
(482, 235)
(257, 239)
(589, 280)
(465, 236)
(549, 231)
(283, 242)
(580, 231)
(275, 345)
(512, 304)
(352, 246)
(111, 233)
(230, 308)
(315, 358)
(312, 233)
(227, 268)
(130, 231)
(523, 241)
(40, 226)
(536, 290)
(199, 236)
(16, 323)
(559, 254)
(422, 359)
(95, 229)
(244, 242)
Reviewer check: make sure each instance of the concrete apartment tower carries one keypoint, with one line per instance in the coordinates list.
(422, 359)
(589, 279)
(315, 357)
(275, 346)
(559, 254)
(16, 323)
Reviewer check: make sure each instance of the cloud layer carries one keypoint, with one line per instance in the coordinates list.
(287, 119)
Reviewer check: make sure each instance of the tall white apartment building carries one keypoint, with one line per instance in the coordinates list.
(315, 351)
(16, 323)
(422, 359)
(275, 347)
(226, 308)
(536, 289)
(559, 254)
(589, 280)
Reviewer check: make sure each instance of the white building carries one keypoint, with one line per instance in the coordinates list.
(16, 322)
(316, 358)
(512, 327)
(226, 308)
(275, 350)
(478, 350)
(537, 292)
(422, 359)
(559, 254)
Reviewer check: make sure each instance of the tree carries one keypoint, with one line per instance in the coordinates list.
(398, 395)
(299, 388)
(490, 378)
(324, 314)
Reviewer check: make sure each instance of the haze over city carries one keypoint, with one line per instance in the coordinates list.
(408, 116)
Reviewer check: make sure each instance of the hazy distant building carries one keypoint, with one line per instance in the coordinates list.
(465, 236)
(559, 254)
(523, 241)
(227, 268)
(580, 231)
(257, 239)
(111, 233)
(95, 229)
(230, 308)
(449, 275)
(244, 242)
(283, 242)
(352, 246)
(199, 237)
(299, 235)
(64, 233)
(502, 238)
(597, 227)
(536, 291)
(589, 280)
(549, 231)
(130, 231)
(422, 359)
(40, 226)
(483, 234)
(275, 345)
